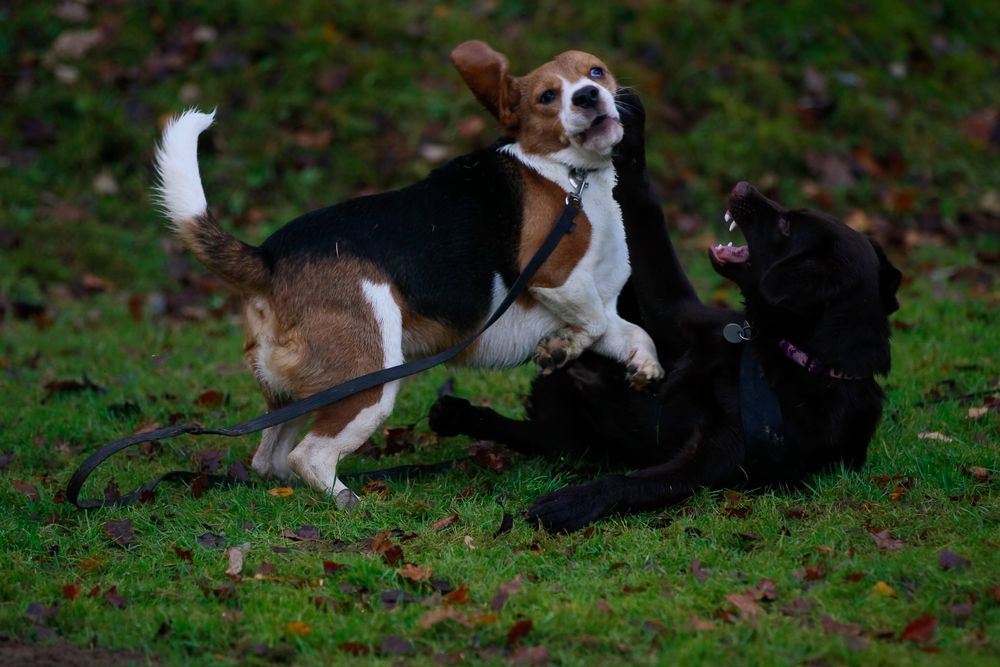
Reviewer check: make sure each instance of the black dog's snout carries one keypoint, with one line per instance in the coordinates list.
(586, 97)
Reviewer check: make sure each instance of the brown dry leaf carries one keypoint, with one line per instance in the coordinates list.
(439, 614)
(209, 399)
(981, 126)
(468, 542)
(920, 630)
(698, 623)
(414, 572)
(281, 491)
(977, 413)
(885, 541)
(74, 44)
(979, 473)
(27, 489)
(120, 532)
(298, 628)
(235, 556)
(518, 631)
(458, 596)
(746, 605)
(441, 524)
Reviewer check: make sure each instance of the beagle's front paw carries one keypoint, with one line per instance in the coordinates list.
(559, 348)
(642, 370)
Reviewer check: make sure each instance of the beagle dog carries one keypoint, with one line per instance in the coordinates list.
(371, 282)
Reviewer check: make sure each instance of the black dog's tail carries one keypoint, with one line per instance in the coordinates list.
(182, 198)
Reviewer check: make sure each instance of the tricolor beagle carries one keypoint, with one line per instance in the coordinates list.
(349, 289)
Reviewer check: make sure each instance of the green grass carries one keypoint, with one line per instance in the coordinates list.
(721, 82)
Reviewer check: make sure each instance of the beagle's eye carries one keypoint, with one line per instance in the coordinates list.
(597, 72)
(547, 96)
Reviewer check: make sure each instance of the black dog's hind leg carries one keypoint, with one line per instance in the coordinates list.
(699, 464)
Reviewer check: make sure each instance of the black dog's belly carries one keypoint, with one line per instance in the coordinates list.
(441, 240)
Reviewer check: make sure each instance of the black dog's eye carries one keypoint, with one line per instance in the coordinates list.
(596, 72)
(784, 227)
(547, 96)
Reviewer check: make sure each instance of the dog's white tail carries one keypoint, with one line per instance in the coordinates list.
(180, 194)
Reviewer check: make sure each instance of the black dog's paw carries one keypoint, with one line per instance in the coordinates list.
(630, 154)
(572, 507)
(450, 415)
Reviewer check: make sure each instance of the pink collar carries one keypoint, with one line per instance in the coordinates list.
(811, 363)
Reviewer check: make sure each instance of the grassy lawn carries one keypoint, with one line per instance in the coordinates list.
(883, 113)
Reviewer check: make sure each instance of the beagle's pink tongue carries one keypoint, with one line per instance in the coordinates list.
(730, 254)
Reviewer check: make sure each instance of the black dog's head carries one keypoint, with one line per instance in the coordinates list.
(808, 277)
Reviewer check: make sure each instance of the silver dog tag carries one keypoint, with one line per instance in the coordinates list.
(733, 332)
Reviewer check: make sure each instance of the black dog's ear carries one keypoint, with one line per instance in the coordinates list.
(889, 279)
(800, 282)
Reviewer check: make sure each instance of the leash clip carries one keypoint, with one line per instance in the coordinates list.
(578, 181)
(738, 333)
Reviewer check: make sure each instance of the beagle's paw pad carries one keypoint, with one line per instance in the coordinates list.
(643, 371)
(558, 349)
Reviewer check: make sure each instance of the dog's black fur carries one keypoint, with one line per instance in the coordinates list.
(810, 279)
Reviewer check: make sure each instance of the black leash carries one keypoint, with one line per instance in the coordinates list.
(563, 226)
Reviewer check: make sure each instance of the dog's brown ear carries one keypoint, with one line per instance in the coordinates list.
(889, 279)
(485, 72)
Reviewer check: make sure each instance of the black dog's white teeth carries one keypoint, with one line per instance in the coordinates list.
(731, 220)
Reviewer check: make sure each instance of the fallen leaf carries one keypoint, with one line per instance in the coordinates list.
(71, 386)
(441, 524)
(977, 413)
(301, 534)
(885, 541)
(211, 541)
(468, 541)
(297, 628)
(440, 614)
(458, 596)
(700, 573)
(395, 646)
(120, 532)
(330, 567)
(112, 597)
(530, 655)
(377, 488)
(235, 556)
(979, 473)
(281, 491)
(71, 591)
(518, 631)
(209, 399)
(603, 606)
(27, 489)
(698, 623)
(184, 554)
(504, 591)
(884, 589)
(798, 608)
(746, 605)
(810, 573)
(354, 648)
(834, 627)
(414, 572)
(920, 630)
(854, 576)
(950, 560)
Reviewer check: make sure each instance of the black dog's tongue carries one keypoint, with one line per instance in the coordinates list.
(730, 254)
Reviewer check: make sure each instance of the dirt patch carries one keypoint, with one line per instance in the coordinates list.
(16, 653)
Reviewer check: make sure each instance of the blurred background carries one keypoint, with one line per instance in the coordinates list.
(884, 113)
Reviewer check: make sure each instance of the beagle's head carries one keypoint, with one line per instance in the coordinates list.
(566, 106)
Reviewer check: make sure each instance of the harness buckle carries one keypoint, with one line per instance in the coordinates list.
(578, 181)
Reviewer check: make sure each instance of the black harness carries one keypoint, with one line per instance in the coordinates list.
(564, 225)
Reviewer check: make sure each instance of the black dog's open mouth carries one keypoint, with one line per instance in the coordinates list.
(730, 254)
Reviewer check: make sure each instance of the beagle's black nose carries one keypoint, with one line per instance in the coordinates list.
(586, 97)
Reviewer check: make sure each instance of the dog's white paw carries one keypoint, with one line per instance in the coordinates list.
(643, 370)
(267, 469)
(559, 348)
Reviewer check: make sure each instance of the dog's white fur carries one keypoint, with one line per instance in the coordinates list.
(179, 190)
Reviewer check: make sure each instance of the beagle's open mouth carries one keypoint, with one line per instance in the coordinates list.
(599, 124)
(730, 254)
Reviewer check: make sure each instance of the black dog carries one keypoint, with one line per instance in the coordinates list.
(817, 295)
